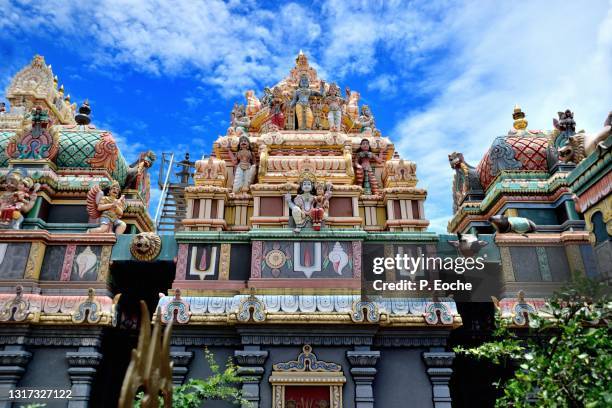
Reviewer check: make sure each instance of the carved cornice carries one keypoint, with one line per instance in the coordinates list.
(250, 357)
(363, 358)
(438, 359)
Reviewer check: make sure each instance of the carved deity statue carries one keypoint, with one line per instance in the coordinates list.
(301, 101)
(106, 205)
(366, 120)
(308, 210)
(352, 104)
(364, 173)
(323, 192)
(277, 102)
(245, 167)
(17, 199)
(253, 103)
(240, 122)
(335, 102)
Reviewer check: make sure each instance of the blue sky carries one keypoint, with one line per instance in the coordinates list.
(439, 76)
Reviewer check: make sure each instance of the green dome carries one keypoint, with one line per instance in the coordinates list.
(77, 147)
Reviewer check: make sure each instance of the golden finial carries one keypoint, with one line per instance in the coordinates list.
(55, 81)
(61, 89)
(518, 115)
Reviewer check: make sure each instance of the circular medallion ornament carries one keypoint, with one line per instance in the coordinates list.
(275, 259)
(145, 246)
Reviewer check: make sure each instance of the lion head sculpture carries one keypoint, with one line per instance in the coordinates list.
(145, 246)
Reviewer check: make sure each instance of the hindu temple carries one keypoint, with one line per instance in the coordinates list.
(261, 251)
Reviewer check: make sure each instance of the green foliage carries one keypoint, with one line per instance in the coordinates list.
(220, 385)
(566, 359)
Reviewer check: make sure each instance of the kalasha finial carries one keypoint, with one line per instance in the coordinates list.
(82, 118)
(518, 115)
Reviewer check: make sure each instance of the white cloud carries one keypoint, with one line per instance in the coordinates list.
(384, 84)
(532, 55)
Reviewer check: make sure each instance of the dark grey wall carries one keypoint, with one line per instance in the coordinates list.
(401, 380)
(48, 369)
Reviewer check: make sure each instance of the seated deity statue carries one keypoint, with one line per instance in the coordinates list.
(308, 210)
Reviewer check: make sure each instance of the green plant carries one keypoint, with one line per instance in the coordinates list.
(220, 385)
(566, 359)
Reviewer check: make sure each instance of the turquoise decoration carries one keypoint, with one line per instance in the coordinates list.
(372, 312)
(251, 307)
(88, 311)
(521, 311)
(432, 317)
(519, 225)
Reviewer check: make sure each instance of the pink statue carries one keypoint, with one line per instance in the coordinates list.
(364, 173)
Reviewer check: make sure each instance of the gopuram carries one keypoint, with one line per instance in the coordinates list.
(275, 242)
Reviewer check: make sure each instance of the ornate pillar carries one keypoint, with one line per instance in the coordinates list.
(180, 358)
(250, 365)
(362, 361)
(13, 362)
(82, 369)
(439, 371)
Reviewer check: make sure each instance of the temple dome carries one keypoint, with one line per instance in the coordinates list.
(526, 152)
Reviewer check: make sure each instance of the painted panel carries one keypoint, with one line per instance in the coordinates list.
(307, 259)
(13, 259)
(86, 263)
(52, 263)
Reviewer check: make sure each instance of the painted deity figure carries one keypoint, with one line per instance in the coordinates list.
(301, 102)
(366, 120)
(305, 208)
(352, 104)
(240, 122)
(364, 173)
(266, 98)
(245, 168)
(253, 103)
(335, 103)
(276, 109)
(323, 192)
(107, 205)
(18, 199)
